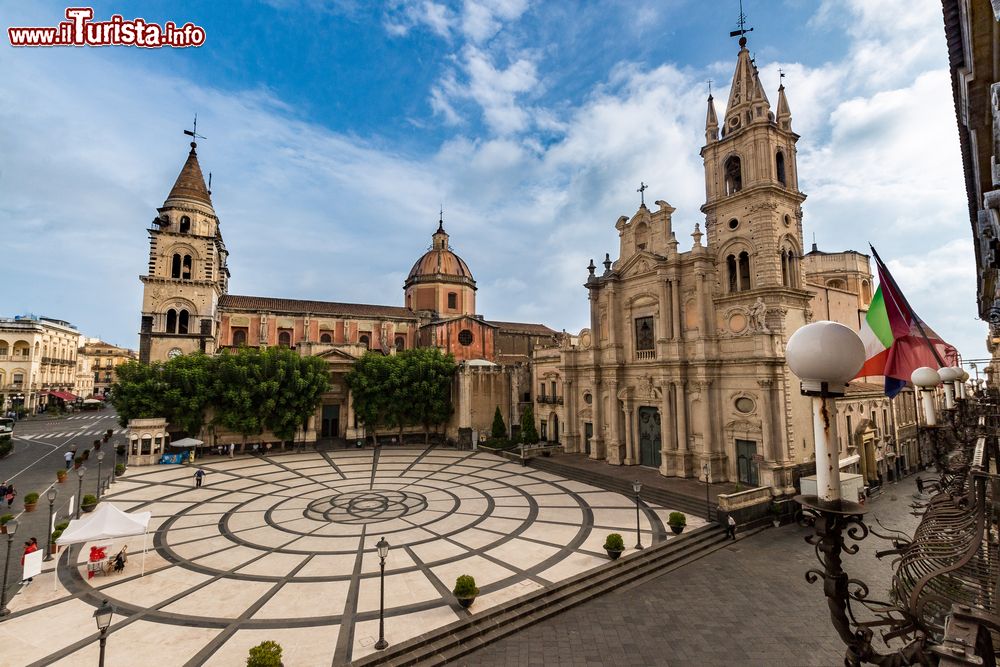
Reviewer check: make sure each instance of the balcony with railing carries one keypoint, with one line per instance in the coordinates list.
(645, 355)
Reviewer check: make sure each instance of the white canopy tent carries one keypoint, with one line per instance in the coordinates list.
(187, 442)
(107, 522)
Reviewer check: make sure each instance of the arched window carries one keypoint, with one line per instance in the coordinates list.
(452, 300)
(836, 284)
(733, 175)
(784, 268)
(147, 444)
(779, 167)
(285, 339)
(400, 343)
(182, 322)
(744, 271)
(4, 348)
(363, 340)
(171, 321)
(239, 337)
(866, 291)
(186, 268)
(641, 236)
(325, 338)
(175, 267)
(734, 284)
(185, 225)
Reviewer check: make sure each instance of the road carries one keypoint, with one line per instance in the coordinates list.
(39, 448)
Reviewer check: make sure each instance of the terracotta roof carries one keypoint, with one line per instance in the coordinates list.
(524, 327)
(190, 183)
(270, 304)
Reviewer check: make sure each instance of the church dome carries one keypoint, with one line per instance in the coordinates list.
(439, 262)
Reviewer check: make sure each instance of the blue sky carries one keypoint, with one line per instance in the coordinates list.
(335, 129)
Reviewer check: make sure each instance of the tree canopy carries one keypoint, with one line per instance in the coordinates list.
(246, 390)
(410, 388)
(529, 435)
(499, 430)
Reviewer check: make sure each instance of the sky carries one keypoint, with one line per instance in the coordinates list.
(336, 129)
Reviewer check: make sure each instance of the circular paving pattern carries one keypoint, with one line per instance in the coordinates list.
(288, 541)
(366, 506)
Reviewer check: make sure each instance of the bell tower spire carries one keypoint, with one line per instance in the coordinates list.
(711, 119)
(784, 114)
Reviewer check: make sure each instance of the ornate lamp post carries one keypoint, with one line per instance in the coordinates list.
(383, 551)
(11, 529)
(50, 495)
(100, 459)
(103, 616)
(637, 488)
(81, 471)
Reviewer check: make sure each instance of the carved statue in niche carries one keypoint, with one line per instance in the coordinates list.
(757, 314)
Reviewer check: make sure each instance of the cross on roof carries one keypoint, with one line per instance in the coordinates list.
(709, 87)
(781, 73)
(642, 192)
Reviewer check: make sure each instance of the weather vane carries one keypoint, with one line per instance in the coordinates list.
(642, 192)
(709, 87)
(781, 76)
(193, 132)
(742, 32)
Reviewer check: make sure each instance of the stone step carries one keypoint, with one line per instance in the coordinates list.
(650, 494)
(462, 637)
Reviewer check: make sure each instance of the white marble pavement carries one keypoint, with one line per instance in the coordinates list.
(283, 548)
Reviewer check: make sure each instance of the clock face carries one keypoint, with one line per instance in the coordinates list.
(176, 352)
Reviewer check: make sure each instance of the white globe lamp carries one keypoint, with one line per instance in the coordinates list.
(948, 377)
(926, 379)
(825, 356)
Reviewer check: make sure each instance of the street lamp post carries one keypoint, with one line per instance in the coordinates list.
(50, 495)
(708, 481)
(11, 528)
(103, 616)
(81, 471)
(383, 551)
(637, 488)
(100, 459)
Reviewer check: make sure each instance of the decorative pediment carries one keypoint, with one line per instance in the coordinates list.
(641, 262)
(337, 354)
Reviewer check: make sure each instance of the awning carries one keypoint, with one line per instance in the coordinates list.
(63, 395)
(849, 461)
(107, 522)
(187, 442)
(91, 401)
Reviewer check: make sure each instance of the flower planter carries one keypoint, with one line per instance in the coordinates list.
(88, 507)
(466, 602)
(614, 554)
(61, 478)
(30, 507)
(776, 523)
(76, 466)
(677, 528)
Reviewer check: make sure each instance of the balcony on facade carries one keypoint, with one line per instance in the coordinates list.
(645, 355)
(555, 400)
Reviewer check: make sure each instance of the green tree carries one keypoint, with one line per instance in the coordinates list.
(300, 383)
(499, 430)
(137, 392)
(187, 390)
(529, 435)
(239, 396)
(373, 391)
(423, 393)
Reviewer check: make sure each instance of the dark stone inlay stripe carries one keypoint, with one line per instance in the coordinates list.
(345, 638)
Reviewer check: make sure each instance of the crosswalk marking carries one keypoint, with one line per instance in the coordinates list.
(88, 417)
(64, 434)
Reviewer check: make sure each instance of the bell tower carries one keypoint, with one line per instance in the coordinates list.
(753, 213)
(187, 270)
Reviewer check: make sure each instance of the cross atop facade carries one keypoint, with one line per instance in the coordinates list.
(781, 75)
(642, 193)
(193, 132)
(709, 87)
(742, 32)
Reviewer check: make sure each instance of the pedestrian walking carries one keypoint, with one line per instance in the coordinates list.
(731, 527)
(10, 495)
(69, 459)
(3, 491)
(232, 449)
(29, 546)
(198, 476)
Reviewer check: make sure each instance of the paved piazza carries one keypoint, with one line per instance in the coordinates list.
(283, 548)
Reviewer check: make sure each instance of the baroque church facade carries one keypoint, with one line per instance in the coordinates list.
(682, 367)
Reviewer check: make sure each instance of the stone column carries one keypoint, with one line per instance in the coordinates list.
(613, 454)
(631, 456)
(668, 445)
(675, 298)
(568, 426)
(680, 396)
(769, 444)
(666, 323)
(597, 440)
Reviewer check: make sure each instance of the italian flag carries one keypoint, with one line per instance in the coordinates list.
(897, 342)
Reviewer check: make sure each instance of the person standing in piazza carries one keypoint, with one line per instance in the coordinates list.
(199, 475)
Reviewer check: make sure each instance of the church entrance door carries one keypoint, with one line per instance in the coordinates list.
(746, 467)
(331, 421)
(588, 433)
(649, 437)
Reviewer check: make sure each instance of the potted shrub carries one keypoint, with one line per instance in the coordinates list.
(30, 501)
(265, 654)
(677, 521)
(776, 515)
(614, 545)
(465, 590)
(53, 547)
(119, 469)
(3, 522)
(88, 503)
(61, 475)
(77, 462)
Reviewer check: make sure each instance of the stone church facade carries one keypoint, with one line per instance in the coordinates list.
(683, 367)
